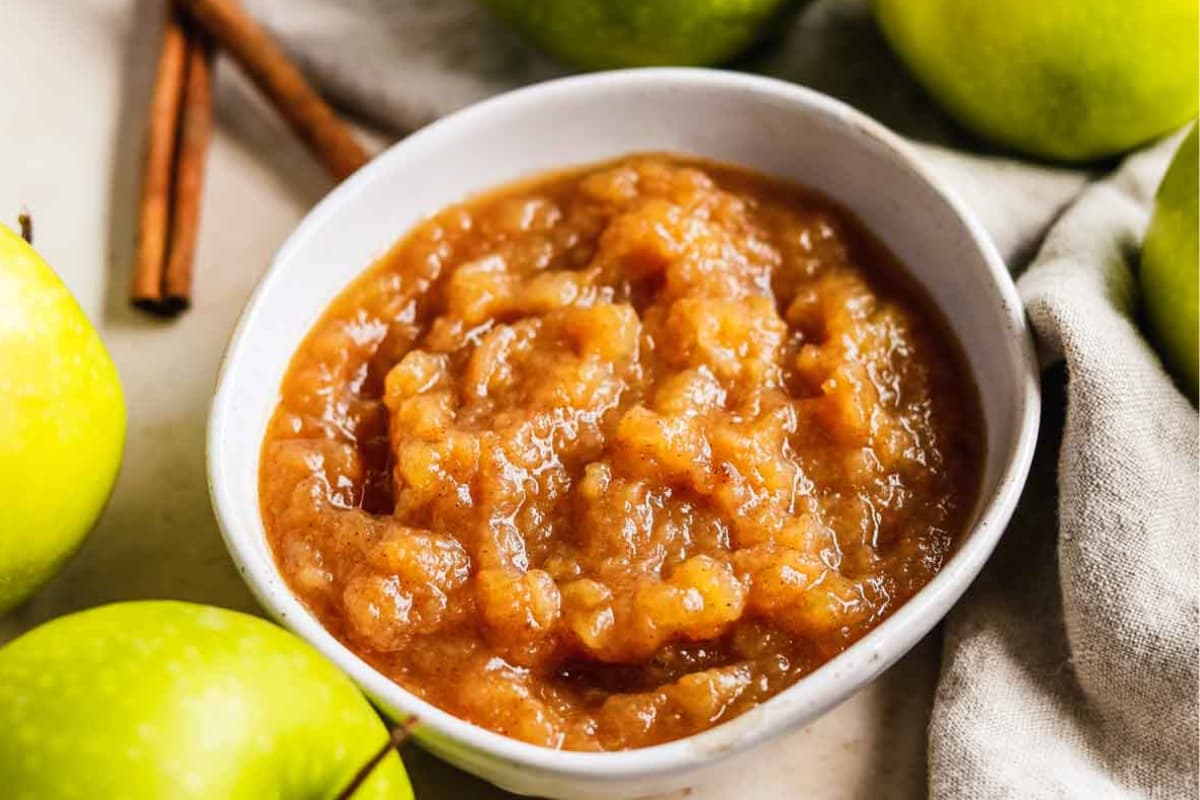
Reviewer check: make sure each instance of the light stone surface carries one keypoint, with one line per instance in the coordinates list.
(74, 83)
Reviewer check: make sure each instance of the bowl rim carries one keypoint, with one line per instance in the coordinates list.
(804, 700)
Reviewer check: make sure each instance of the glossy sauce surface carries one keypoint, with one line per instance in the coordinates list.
(604, 458)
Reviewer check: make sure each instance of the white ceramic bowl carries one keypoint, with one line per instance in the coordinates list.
(767, 125)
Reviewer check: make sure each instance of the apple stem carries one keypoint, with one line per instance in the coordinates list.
(396, 737)
(25, 221)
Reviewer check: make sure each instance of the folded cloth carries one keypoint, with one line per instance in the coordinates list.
(1070, 668)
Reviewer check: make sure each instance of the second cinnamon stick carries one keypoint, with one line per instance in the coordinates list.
(236, 32)
(155, 208)
(195, 131)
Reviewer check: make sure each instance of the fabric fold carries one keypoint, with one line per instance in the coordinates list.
(1099, 699)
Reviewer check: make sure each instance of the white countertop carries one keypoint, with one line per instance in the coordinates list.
(74, 85)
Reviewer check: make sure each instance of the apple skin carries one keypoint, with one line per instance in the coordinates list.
(1071, 80)
(162, 700)
(607, 34)
(1170, 267)
(62, 422)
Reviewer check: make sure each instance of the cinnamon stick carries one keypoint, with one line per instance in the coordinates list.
(155, 208)
(236, 32)
(195, 130)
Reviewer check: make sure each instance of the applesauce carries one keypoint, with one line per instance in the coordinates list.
(604, 458)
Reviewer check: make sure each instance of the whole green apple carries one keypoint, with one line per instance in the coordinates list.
(62, 422)
(158, 700)
(1170, 268)
(602, 34)
(1069, 79)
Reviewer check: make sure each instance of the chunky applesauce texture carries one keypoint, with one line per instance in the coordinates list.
(607, 457)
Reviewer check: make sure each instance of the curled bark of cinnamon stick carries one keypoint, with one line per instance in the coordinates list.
(180, 127)
(264, 61)
(195, 130)
(155, 208)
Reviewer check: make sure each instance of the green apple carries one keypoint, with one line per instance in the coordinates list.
(158, 700)
(1073, 80)
(602, 34)
(1170, 268)
(62, 422)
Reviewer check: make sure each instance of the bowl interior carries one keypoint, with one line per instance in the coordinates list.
(761, 124)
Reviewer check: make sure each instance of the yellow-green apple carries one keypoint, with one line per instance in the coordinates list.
(1170, 268)
(62, 422)
(159, 700)
(1068, 79)
(602, 34)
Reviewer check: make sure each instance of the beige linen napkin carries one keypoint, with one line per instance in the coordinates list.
(1070, 668)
